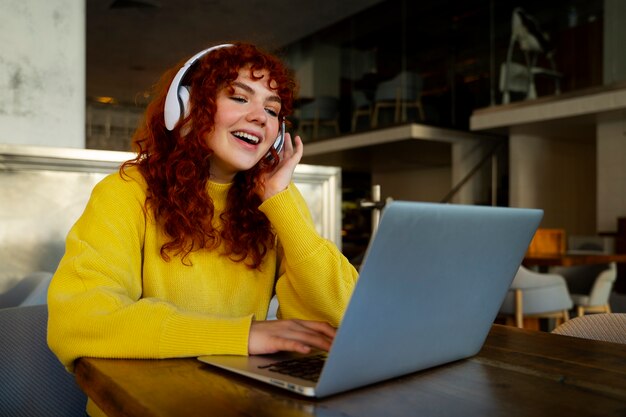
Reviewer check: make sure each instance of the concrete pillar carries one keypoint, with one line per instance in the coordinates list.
(556, 174)
(42, 72)
(611, 145)
(466, 155)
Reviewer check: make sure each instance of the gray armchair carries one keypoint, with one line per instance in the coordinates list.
(33, 381)
(534, 294)
(31, 289)
(590, 286)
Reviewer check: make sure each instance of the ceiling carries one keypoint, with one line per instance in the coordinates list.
(131, 42)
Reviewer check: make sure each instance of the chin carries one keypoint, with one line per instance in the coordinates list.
(248, 166)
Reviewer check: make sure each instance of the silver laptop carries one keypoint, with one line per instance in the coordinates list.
(431, 284)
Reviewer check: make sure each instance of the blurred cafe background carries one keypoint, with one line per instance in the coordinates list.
(518, 103)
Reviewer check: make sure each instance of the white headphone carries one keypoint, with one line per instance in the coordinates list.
(177, 99)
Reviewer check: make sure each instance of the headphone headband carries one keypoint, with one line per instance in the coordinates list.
(175, 105)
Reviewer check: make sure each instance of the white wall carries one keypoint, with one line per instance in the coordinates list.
(42, 72)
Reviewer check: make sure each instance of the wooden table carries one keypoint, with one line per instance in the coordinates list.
(571, 259)
(517, 373)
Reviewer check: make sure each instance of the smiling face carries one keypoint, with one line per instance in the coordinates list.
(246, 125)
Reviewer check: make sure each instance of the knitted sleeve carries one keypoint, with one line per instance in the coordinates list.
(316, 280)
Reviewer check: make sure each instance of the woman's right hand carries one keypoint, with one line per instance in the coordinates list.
(301, 336)
(280, 178)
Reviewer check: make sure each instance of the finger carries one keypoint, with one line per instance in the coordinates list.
(309, 335)
(290, 335)
(288, 142)
(310, 338)
(297, 342)
(294, 152)
(299, 146)
(290, 345)
(319, 327)
(272, 337)
(305, 333)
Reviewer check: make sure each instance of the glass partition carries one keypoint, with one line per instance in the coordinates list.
(430, 62)
(435, 62)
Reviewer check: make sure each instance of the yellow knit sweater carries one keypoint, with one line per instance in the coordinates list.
(113, 296)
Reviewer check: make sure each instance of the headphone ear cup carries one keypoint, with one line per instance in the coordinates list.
(280, 140)
(183, 99)
(177, 98)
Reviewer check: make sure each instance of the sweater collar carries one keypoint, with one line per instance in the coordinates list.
(218, 190)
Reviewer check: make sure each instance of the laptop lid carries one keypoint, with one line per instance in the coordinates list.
(431, 285)
(429, 289)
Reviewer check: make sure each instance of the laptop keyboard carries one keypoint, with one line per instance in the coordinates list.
(308, 367)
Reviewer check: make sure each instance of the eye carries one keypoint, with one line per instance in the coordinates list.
(239, 99)
(272, 112)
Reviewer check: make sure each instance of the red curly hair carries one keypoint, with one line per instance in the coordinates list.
(176, 164)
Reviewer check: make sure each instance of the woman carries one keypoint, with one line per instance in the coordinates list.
(179, 254)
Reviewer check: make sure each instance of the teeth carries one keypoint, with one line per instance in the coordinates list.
(247, 137)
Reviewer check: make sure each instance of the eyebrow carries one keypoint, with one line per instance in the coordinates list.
(249, 90)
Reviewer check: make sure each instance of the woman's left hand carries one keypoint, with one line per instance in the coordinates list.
(279, 179)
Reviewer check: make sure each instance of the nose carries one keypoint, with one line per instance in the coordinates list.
(257, 114)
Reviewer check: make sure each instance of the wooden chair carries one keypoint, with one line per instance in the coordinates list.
(362, 107)
(323, 111)
(401, 92)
